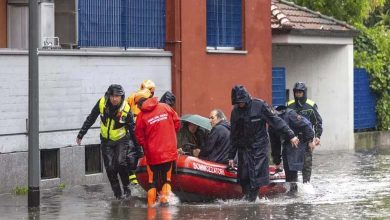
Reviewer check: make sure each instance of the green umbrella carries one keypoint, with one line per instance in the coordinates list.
(197, 120)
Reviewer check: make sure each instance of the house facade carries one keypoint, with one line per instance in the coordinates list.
(318, 50)
(197, 49)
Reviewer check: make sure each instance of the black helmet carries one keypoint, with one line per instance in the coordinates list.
(300, 86)
(116, 89)
(240, 95)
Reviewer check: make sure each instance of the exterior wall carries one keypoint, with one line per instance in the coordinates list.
(70, 85)
(207, 78)
(373, 141)
(3, 23)
(327, 70)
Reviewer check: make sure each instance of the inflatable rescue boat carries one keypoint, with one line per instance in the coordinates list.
(194, 180)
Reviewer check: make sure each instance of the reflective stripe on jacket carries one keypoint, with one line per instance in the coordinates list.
(110, 128)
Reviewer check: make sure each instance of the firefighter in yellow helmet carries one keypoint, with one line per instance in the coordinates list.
(148, 84)
(135, 151)
(131, 100)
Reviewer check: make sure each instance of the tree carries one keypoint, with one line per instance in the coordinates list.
(351, 11)
(380, 16)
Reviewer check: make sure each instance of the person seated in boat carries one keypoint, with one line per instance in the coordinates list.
(293, 156)
(218, 144)
(190, 139)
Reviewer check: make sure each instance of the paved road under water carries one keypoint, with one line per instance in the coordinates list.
(345, 185)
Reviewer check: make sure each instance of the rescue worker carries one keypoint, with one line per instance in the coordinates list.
(116, 129)
(249, 139)
(168, 98)
(148, 84)
(293, 157)
(217, 145)
(308, 109)
(156, 128)
(131, 100)
(135, 151)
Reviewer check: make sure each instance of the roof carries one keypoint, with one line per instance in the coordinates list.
(287, 17)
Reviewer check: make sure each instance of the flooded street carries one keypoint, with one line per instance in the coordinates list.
(345, 185)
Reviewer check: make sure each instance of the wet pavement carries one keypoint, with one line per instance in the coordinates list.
(345, 185)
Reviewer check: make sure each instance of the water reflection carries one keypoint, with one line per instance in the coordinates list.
(345, 185)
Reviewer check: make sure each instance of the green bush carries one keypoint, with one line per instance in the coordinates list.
(372, 52)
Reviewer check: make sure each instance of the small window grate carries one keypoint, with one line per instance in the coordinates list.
(93, 161)
(50, 164)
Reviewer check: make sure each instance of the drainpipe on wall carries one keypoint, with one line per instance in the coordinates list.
(173, 44)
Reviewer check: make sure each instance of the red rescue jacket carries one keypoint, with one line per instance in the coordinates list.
(156, 128)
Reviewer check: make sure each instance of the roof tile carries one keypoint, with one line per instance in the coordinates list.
(287, 15)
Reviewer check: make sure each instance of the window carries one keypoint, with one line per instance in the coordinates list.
(50, 164)
(17, 25)
(93, 159)
(65, 23)
(224, 24)
(119, 23)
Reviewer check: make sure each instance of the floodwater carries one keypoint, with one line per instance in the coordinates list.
(345, 185)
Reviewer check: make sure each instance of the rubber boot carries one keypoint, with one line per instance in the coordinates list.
(152, 195)
(126, 192)
(133, 179)
(117, 191)
(253, 193)
(293, 188)
(166, 190)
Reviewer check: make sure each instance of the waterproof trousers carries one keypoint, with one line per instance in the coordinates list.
(307, 166)
(115, 162)
(291, 175)
(159, 174)
(252, 171)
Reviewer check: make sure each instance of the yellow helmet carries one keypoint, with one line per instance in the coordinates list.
(142, 93)
(148, 84)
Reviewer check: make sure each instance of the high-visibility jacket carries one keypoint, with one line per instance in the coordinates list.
(113, 128)
(133, 106)
(309, 110)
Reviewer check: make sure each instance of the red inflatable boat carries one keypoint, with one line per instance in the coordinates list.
(194, 179)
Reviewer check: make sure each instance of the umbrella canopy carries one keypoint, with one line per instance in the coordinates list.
(197, 120)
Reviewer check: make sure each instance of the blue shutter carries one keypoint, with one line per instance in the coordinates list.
(364, 101)
(278, 86)
(122, 23)
(224, 23)
(147, 23)
(99, 23)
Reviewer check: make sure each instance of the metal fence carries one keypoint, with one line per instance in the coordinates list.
(364, 101)
(121, 23)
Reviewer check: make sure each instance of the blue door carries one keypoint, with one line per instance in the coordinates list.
(278, 86)
(364, 101)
